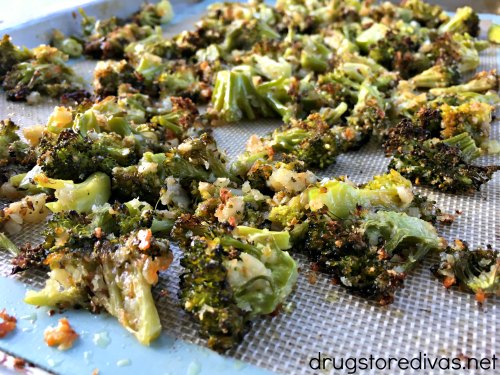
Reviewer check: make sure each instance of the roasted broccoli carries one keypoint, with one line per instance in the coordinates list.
(229, 278)
(311, 141)
(473, 270)
(429, 161)
(11, 55)
(196, 159)
(464, 21)
(112, 273)
(46, 73)
(494, 34)
(369, 255)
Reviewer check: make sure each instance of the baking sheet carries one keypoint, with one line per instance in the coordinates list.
(322, 317)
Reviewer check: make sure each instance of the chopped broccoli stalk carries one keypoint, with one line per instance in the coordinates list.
(480, 83)
(82, 197)
(437, 76)
(235, 97)
(6, 244)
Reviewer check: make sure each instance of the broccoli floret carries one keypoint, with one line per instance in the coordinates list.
(397, 51)
(107, 39)
(180, 122)
(433, 162)
(82, 197)
(343, 199)
(8, 135)
(371, 36)
(46, 73)
(115, 274)
(105, 259)
(11, 55)
(437, 76)
(289, 176)
(427, 15)
(109, 75)
(143, 180)
(196, 159)
(464, 21)
(154, 14)
(315, 55)
(457, 50)
(480, 83)
(312, 141)
(230, 204)
(473, 118)
(235, 97)
(240, 275)
(16, 156)
(472, 270)
(368, 255)
(75, 157)
(368, 114)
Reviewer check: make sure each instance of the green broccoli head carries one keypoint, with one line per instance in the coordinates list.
(436, 76)
(75, 157)
(154, 14)
(427, 15)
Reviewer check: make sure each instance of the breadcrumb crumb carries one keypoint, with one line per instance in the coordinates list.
(61, 336)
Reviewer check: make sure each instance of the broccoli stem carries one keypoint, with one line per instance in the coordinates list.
(466, 144)
(6, 244)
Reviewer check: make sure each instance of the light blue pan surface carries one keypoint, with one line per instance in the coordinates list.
(121, 355)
